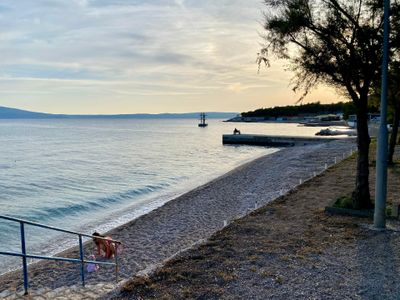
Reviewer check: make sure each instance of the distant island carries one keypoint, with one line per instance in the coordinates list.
(13, 113)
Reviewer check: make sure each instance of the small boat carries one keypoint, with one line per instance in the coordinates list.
(203, 120)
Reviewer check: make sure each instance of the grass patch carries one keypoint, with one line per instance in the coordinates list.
(389, 211)
(343, 202)
(346, 202)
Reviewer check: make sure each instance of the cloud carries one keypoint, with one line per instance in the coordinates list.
(238, 87)
(130, 47)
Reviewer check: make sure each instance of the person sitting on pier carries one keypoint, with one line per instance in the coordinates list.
(236, 131)
(105, 244)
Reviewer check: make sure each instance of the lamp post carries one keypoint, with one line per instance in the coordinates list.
(381, 154)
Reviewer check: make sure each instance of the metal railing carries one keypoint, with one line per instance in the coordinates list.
(81, 259)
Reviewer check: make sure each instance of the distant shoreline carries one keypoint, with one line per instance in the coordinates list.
(7, 113)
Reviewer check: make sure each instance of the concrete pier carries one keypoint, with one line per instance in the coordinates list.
(273, 140)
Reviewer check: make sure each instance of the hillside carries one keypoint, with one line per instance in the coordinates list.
(13, 113)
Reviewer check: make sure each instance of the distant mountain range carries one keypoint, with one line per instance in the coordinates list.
(13, 113)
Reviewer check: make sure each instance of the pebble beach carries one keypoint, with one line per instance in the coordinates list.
(185, 222)
(290, 248)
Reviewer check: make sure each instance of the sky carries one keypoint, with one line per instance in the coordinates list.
(136, 56)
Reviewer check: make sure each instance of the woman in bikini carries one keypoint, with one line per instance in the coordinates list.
(104, 244)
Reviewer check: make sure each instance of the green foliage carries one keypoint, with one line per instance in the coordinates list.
(389, 211)
(343, 202)
(347, 108)
(338, 43)
(393, 91)
(347, 202)
(335, 42)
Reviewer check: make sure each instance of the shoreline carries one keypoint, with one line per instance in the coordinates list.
(130, 213)
(152, 203)
(288, 249)
(195, 215)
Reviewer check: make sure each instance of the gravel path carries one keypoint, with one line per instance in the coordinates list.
(195, 216)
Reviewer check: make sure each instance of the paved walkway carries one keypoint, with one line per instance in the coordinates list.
(74, 292)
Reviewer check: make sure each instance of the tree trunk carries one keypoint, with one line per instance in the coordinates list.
(361, 196)
(393, 136)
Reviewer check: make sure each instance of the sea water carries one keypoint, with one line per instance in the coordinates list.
(95, 174)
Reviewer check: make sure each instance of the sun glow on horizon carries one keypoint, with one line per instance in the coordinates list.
(113, 57)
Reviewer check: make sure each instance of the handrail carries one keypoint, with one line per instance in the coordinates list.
(55, 258)
(81, 259)
(54, 228)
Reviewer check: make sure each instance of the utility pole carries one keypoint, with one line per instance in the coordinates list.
(382, 147)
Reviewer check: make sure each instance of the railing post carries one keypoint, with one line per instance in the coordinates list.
(82, 260)
(24, 263)
(24, 255)
(116, 262)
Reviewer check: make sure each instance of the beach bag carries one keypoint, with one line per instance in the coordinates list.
(91, 267)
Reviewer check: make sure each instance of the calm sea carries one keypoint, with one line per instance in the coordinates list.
(96, 174)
